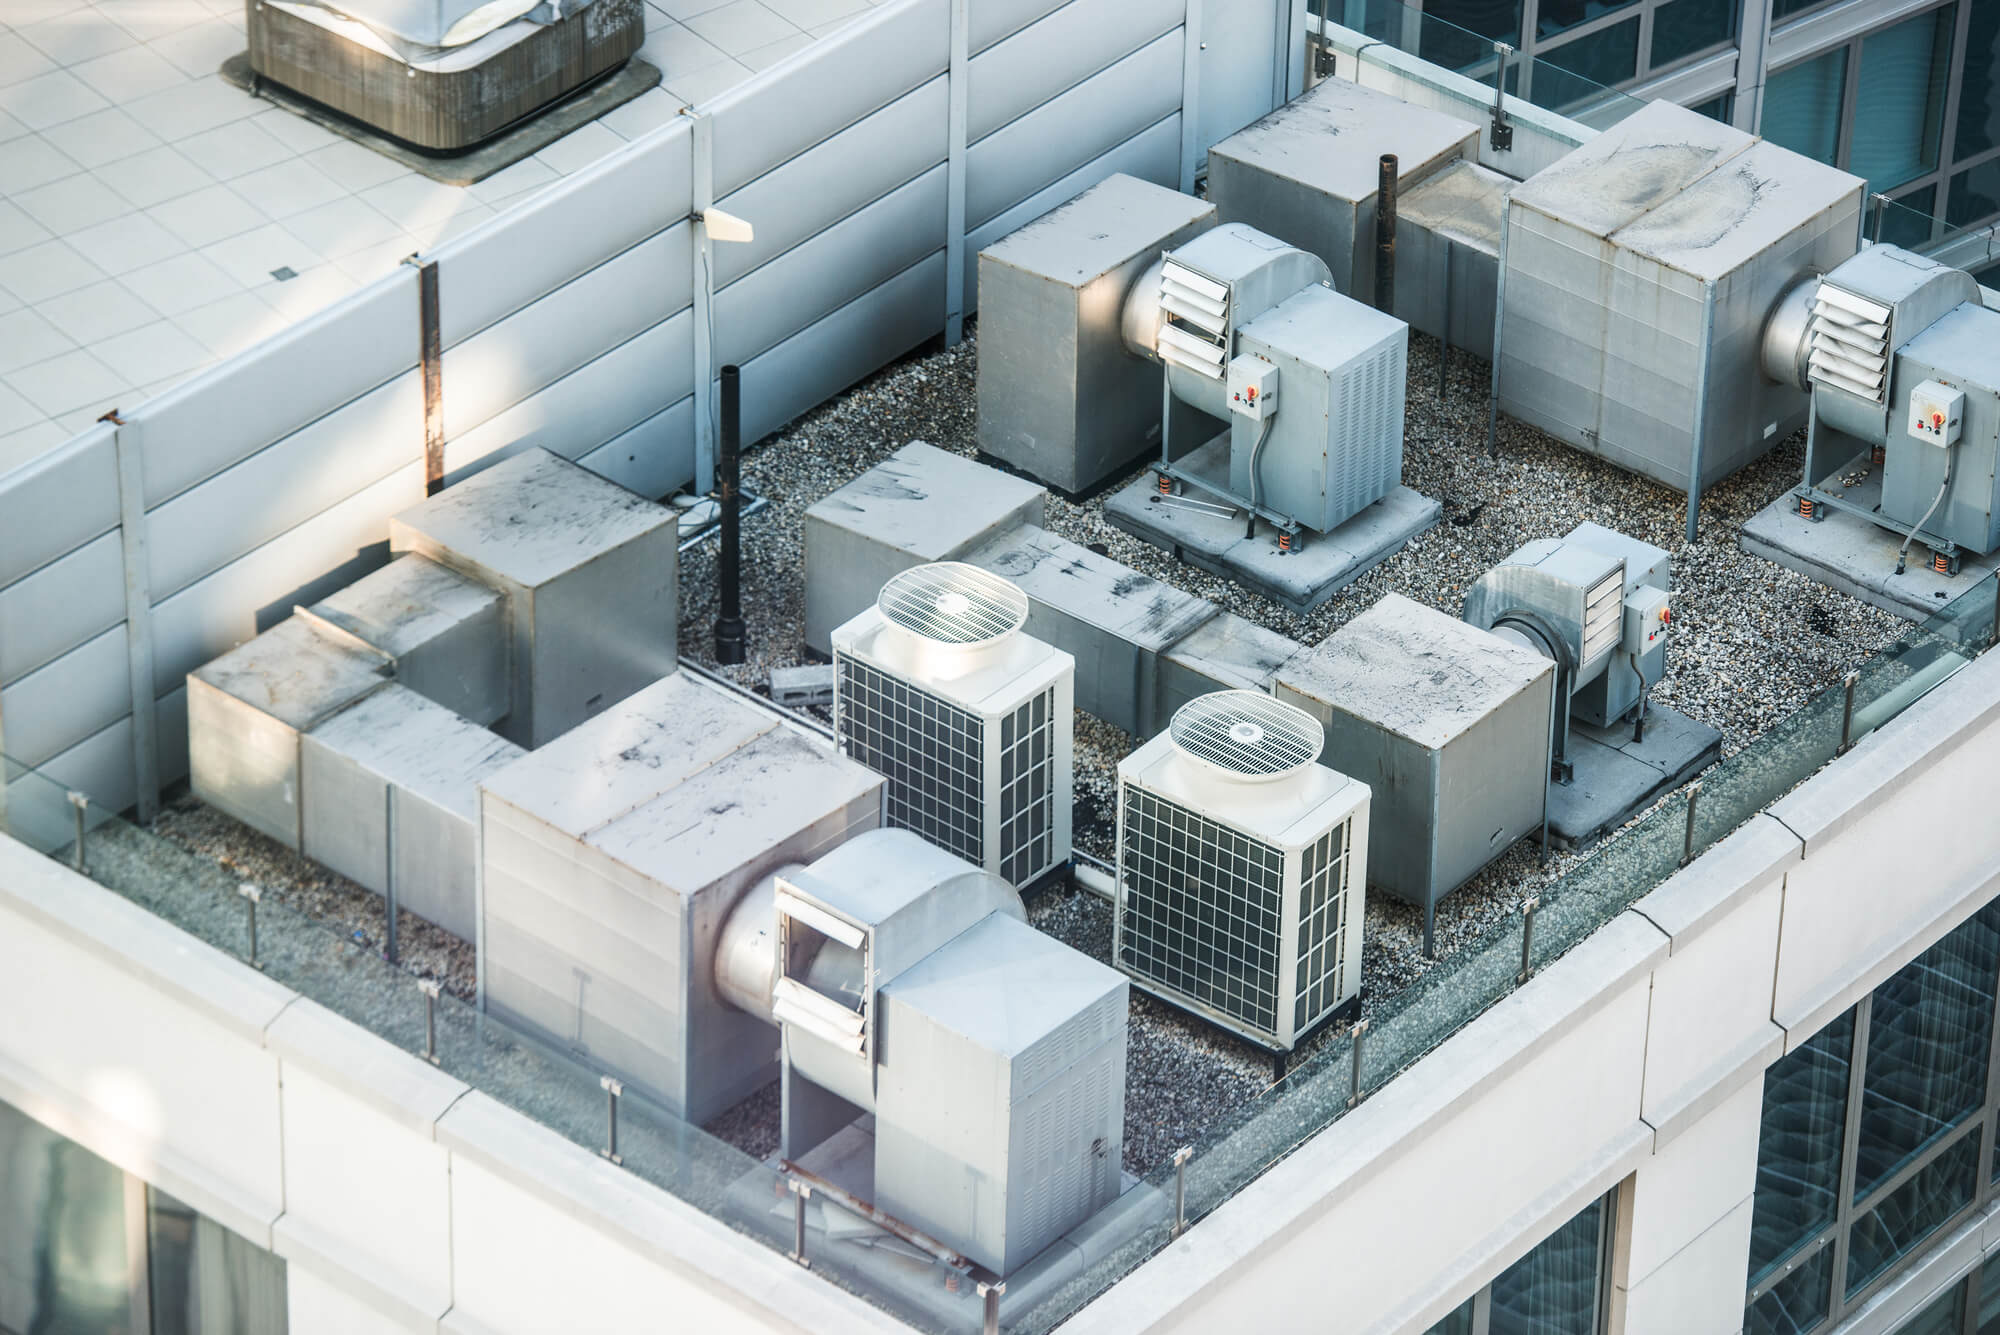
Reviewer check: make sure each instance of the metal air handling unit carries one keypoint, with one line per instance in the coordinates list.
(442, 75)
(1637, 277)
(969, 720)
(1242, 863)
(1307, 388)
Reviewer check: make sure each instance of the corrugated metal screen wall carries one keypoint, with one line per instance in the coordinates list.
(569, 323)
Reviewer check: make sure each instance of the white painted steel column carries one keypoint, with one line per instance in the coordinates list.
(138, 617)
(954, 180)
(1190, 93)
(703, 276)
(1752, 51)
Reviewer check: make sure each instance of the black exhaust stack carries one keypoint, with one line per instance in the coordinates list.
(1385, 237)
(728, 495)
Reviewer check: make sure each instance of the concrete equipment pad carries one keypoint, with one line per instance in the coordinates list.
(1847, 553)
(1197, 529)
(1616, 777)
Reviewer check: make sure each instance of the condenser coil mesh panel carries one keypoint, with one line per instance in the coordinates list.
(931, 752)
(1027, 747)
(1201, 909)
(1322, 943)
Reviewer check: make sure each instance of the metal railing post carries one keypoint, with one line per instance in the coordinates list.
(990, 1295)
(1359, 1030)
(800, 1191)
(612, 1089)
(251, 896)
(430, 989)
(1993, 634)
(1181, 1157)
(1687, 837)
(80, 801)
(1847, 684)
(1528, 907)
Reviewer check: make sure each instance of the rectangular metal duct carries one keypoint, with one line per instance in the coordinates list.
(1637, 277)
(921, 504)
(391, 799)
(1060, 397)
(1446, 723)
(590, 571)
(1448, 254)
(248, 709)
(447, 633)
(1308, 172)
(611, 858)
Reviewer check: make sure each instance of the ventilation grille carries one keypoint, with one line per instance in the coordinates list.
(1370, 462)
(1027, 793)
(1604, 616)
(1194, 326)
(1849, 339)
(949, 602)
(1200, 908)
(1246, 735)
(931, 752)
(1322, 940)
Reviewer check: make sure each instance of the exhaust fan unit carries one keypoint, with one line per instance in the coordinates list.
(1242, 867)
(937, 689)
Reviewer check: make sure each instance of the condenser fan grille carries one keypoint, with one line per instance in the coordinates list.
(1246, 734)
(950, 602)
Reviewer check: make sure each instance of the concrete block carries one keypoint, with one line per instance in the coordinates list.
(1613, 777)
(920, 504)
(1682, 1190)
(808, 685)
(1847, 553)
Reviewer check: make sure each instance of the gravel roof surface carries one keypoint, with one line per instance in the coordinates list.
(1752, 642)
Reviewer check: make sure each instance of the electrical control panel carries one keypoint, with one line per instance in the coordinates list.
(1937, 413)
(1648, 613)
(1253, 387)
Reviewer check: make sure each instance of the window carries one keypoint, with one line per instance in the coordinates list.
(1802, 105)
(1979, 87)
(1559, 1288)
(1899, 100)
(66, 1262)
(1683, 27)
(1877, 1135)
(1574, 49)
(1718, 108)
(1605, 57)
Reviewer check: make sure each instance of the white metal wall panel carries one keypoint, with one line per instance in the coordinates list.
(583, 319)
(1057, 53)
(572, 225)
(822, 275)
(58, 705)
(58, 503)
(996, 20)
(238, 407)
(654, 457)
(793, 202)
(591, 405)
(825, 359)
(275, 490)
(865, 65)
(50, 612)
(1081, 124)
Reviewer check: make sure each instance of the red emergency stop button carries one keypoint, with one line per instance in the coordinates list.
(1937, 421)
(1666, 615)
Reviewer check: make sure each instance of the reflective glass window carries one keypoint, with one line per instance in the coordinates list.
(1683, 27)
(1802, 105)
(1899, 100)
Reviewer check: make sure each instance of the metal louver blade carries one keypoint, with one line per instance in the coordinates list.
(1604, 615)
(1180, 275)
(1850, 343)
(1196, 354)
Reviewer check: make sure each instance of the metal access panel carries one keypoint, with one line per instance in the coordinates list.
(1336, 444)
(248, 709)
(1308, 173)
(999, 1128)
(391, 789)
(1448, 254)
(921, 504)
(1060, 396)
(447, 633)
(1961, 350)
(1449, 727)
(590, 571)
(610, 866)
(1608, 696)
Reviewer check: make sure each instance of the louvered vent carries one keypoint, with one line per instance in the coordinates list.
(1194, 332)
(1246, 735)
(1849, 342)
(1604, 616)
(949, 602)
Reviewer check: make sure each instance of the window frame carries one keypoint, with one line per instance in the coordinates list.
(1482, 1301)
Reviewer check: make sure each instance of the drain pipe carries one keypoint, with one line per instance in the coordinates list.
(729, 623)
(1385, 237)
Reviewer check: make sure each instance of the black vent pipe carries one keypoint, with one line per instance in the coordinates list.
(729, 498)
(1385, 237)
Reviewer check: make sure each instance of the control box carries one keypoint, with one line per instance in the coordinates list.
(1937, 413)
(1253, 387)
(1648, 613)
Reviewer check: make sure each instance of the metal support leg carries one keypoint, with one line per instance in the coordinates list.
(990, 1295)
(612, 1089)
(1847, 714)
(81, 802)
(251, 896)
(1181, 1157)
(1528, 907)
(1357, 1033)
(430, 990)
(1687, 839)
